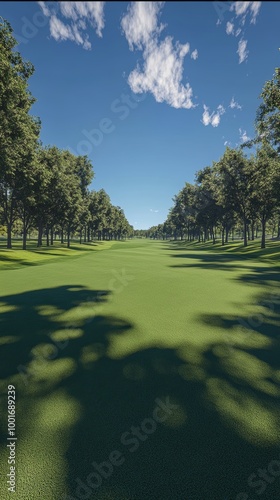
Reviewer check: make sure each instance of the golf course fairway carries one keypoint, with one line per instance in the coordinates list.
(148, 370)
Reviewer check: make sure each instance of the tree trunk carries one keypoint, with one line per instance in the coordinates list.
(51, 235)
(9, 235)
(68, 238)
(85, 234)
(62, 236)
(40, 234)
(223, 236)
(88, 234)
(253, 231)
(24, 231)
(245, 233)
(263, 233)
(24, 238)
(81, 235)
(48, 237)
(227, 233)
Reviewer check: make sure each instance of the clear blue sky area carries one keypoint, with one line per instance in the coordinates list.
(151, 91)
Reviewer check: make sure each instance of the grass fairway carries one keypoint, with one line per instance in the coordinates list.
(96, 344)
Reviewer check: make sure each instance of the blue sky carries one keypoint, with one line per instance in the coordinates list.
(151, 91)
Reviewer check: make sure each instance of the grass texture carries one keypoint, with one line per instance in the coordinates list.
(94, 344)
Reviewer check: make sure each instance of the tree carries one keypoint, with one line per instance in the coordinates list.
(233, 189)
(208, 210)
(264, 184)
(18, 130)
(99, 208)
(268, 113)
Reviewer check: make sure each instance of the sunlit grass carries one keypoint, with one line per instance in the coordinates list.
(16, 257)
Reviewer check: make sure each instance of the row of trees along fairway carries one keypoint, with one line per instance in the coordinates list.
(44, 188)
(238, 192)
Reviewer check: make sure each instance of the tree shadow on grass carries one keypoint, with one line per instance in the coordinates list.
(247, 366)
(79, 398)
(229, 251)
(221, 429)
(228, 262)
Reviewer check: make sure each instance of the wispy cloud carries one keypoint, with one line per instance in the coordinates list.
(213, 118)
(161, 72)
(242, 9)
(243, 135)
(234, 104)
(242, 50)
(230, 28)
(74, 19)
(155, 211)
(194, 54)
(241, 12)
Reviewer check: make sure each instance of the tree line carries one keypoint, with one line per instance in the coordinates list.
(44, 188)
(239, 193)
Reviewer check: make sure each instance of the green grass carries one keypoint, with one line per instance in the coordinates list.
(33, 256)
(90, 343)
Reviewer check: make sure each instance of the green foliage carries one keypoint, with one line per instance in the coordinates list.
(268, 114)
(19, 131)
(43, 187)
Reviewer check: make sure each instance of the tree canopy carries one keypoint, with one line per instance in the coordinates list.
(44, 187)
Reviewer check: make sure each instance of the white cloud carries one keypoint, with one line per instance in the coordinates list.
(240, 7)
(242, 52)
(243, 8)
(213, 118)
(243, 135)
(194, 54)
(44, 8)
(242, 11)
(79, 14)
(234, 104)
(59, 31)
(227, 143)
(140, 23)
(230, 28)
(255, 8)
(161, 72)
(155, 211)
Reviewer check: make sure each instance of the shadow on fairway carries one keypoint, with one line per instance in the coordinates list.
(228, 262)
(221, 428)
(231, 250)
